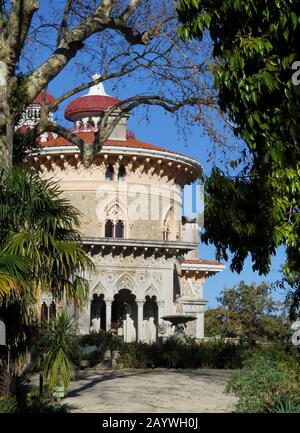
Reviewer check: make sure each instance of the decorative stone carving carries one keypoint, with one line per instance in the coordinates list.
(141, 277)
(115, 214)
(152, 291)
(129, 331)
(178, 308)
(149, 331)
(109, 277)
(99, 289)
(157, 278)
(125, 282)
(95, 325)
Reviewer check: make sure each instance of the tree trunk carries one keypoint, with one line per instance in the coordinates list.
(6, 144)
(6, 120)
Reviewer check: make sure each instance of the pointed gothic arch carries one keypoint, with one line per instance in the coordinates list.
(152, 291)
(169, 224)
(115, 220)
(125, 282)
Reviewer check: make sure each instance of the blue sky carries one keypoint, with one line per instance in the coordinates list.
(162, 130)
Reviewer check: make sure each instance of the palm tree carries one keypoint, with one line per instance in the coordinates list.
(14, 270)
(58, 346)
(40, 251)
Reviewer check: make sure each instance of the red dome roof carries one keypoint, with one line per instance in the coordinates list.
(88, 105)
(39, 98)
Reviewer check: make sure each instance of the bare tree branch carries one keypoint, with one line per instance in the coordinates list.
(73, 41)
(47, 126)
(106, 127)
(125, 106)
(122, 40)
(129, 10)
(64, 22)
(85, 86)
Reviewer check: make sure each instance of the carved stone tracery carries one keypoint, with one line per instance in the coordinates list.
(115, 214)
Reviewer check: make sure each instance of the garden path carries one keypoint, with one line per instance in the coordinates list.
(144, 391)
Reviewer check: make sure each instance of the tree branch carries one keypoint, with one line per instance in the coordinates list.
(72, 42)
(17, 29)
(47, 126)
(130, 9)
(125, 106)
(64, 22)
(85, 86)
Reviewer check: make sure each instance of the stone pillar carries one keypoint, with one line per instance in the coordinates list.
(108, 304)
(140, 304)
(84, 319)
(160, 311)
(200, 324)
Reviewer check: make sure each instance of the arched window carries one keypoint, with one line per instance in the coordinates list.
(109, 229)
(44, 312)
(169, 225)
(122, 173)
(115, 222)
(109, 173)
(52, 310)
(119, 229)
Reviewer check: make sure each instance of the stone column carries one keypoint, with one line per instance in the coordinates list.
(200, 324)
(84, 319)
(140, 304)
(108, 304)
(160, 311)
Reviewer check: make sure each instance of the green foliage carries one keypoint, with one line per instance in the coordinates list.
(8, 404)
(283, 404)
(14, 271)
(169, 353)
(33, 403)
(39, 247)
(255, 45)
(44, 404)
(38, 224)
(58, 346)
(23, 142)
(268, 382)
(172, 353)
(102, 341)
(247, 312)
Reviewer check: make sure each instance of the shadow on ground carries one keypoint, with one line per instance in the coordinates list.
(151, 390)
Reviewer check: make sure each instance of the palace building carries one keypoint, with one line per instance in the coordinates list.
(144, 250)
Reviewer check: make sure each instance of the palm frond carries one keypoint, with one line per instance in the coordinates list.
(14, 271)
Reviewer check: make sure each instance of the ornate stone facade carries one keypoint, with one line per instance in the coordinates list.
(130, 198)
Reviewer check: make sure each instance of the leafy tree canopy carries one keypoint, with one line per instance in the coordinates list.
(255, 47)
(39, 251)
(248, 312)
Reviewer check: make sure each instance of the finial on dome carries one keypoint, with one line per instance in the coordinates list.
(97, 89)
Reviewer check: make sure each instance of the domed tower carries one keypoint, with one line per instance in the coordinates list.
(130, 198)
(32, 114)
(85, 112)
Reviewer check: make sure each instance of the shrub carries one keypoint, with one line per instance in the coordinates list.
(44, 404)
(268, 382)
(134, 355)
(283, 404)
(8, 404)
(172, 353)
(102, 341)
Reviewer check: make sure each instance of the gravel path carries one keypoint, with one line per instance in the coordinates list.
(142, 391)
